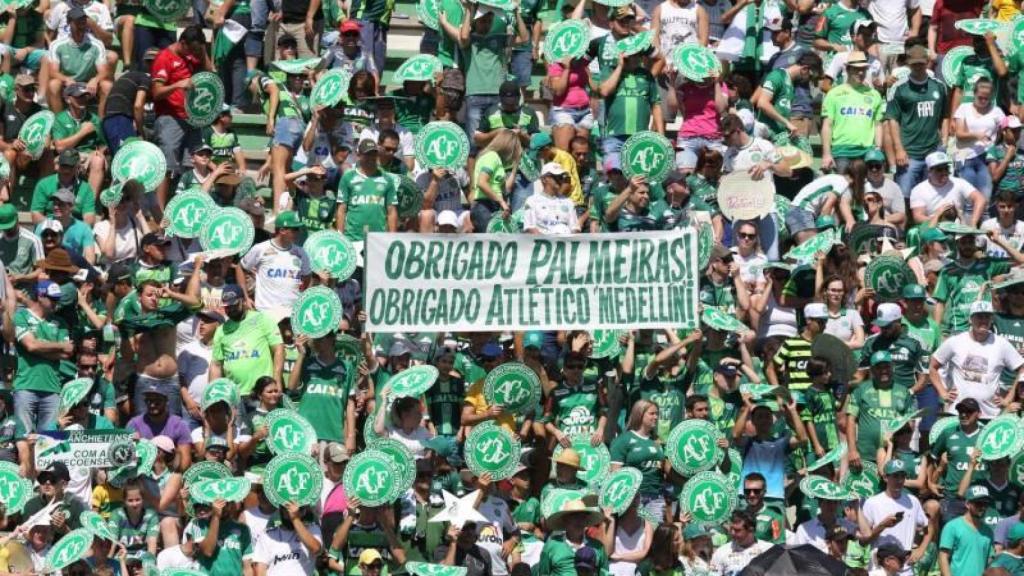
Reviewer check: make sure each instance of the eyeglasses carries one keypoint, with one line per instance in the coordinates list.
(389, 149)
(746, 236)
(875, 166)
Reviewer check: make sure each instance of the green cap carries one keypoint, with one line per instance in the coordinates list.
(976, 493)
(894, 467)
(8, 216)
(825, 221)
(914, 292)
(287, 219)
(874, 155)
(694, 531)
(930, 234)
(540, 140)
(1016, 533)
(881, 357)
(533, 339)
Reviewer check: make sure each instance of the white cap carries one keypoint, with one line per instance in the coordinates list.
(1010, 121)
(552, 168)
(53, 225)
(482, 10)
(448, 218)
(887, 313)
(936, 159)
(747, 117)
(982, 307)
(815, 310)
(786, 330)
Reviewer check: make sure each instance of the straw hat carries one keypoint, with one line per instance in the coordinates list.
(569, 457)
(557, 520)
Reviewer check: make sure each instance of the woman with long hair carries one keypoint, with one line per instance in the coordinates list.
(977, 128)
(767, 313)
(843, 322)
(493, 178)
(638, 447)
(629, 535)
(404, 422)
(252, 445)
(838, 261)
(666, 548)
(748, 254)
(851, 203)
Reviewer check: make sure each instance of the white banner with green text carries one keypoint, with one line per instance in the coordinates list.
(493, 282)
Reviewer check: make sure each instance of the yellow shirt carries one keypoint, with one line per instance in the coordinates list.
(1005, 10)
(475, 398)
(568, 163)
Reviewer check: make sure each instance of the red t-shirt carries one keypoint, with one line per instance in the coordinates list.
(945, 15)
(168, 68)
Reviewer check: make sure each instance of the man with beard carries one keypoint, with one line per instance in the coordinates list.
(247, 346)
(966, 542)
(909, 368)
(961, 281)
(775, 95)
(148, 319)
(871, 404)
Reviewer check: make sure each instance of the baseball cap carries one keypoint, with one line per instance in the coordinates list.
(837, 533)
(367, 146)
(673, 177)
(968, 405)
(888, 313)
(816, 310)
(369, 556)
(552, 169)
(157, 238)
(857, 59)
(350, 26)
(69, 157)
(75, 12)
(56, 469)
(976, 493)
(491, 350)
(623, 12)
(203, 149)
(231, 295)
(860, 25)
(337, 453)
(447, 218)
(399, 348)
(163, 443)
(25, 80)
(8, 216)
(533, 339)
(64, 195)
(874, 155)
(211, 315)
(1016, 532)
(540, 140)
(774, 24)
(894, 466)
(981, 307)
(917, 55)
(443, 446)
(930, 234)
(881, 357)
(936, 159)
(508, 89)
(586, 559)
(48, 288)
(51, 225)
(287, 219)
(890, 550)
(914, 292)
(151, 387)
(1010, 121)
(75, 90)
(719, 251)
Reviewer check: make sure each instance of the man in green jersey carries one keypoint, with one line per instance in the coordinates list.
(917, 120)
(367, 198)
(775, 96)
(77, 128)
(871, 404)
(852, 117)
(833, 34)
(632, 104)
(985, 62)
(771, 522)
(222, 546)
(919, 325)
(951, 453)
(247, 346)
(1012, 557)
(966, 542)
(41, 343)
(963, 279)
(909, 366)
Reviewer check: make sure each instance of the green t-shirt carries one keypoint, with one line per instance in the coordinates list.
(36, 372)
(628, 109)
(974, 68)
(325, 394)
(378, 11)
(85, 198)
(1011, 328)
(447, 48)
(444, 403)
(644, 454)
(927, 334)
(969, 547)
(821, 408)
(871, 406)
(770, 525)
(907, 357)
(316, 213)
(78, 61)
(489, 163)
(1013, 178)
(669, 394)
(959, 286)
(133, 535)
(367, 199)
(575, 410)
(854, 112)
(918, 109)
(496, 119)
(413, 112)
(956, 445)
(64, 125)
(1016, 65)
(20, 254)
(234, 543)
(558, 557)
(1010, 562)
(245, 348)
(835, 23)
(486, 63)
(780, 85)
(224, 144)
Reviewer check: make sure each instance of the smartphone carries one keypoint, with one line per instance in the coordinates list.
(899, 516)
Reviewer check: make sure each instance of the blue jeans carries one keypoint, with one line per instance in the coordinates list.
(611, 146)
(476, 106)
(146, 38)
(523, 189)
(374, 38)
(975, 171)
(36, 410)
(117, 129)
(911, 175)
(481, 213)
(521, 66)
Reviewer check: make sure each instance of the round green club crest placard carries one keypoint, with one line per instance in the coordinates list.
(371, 476)
(419, 68)
(823, 488)
(605, 343)
(142, 161)
(402, 458)
(35, 131)
(298, 65)
(428, 11)
(221, 390)
(187, 212)
(442, 144)
(620, 488)
(111, 197)
(691, 447)
(715, 317)
(330, 88)
(204, 471)
(412, 381)
(887, 275)
(705, 242)
(634, 44)
(940, 426)
(566, 39)
(696, 62)
(735, 468)
(292, 478)
(181, 572)
(288, 432)
(14, 489)
(709, 497)
(1000, 438)
(228, 229)
(74, 392)
(954, 60)
(69, 549)
(96, 525)
(492, 448)
(330, 251)
(513, 385)
(647, 154)
(595, 461)
(146, 452)
(424, 569)
(233, 489)
(316, 312)
(205, 99)
(979, 26)
(863, 484)
(167, 10)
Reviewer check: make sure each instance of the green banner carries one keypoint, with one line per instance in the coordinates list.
(492, 282)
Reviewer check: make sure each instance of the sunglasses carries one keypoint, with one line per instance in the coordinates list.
(747, 236)
(753, 490)
(874, 166)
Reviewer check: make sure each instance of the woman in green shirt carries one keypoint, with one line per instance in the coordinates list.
(494, 175)
(266, 394)
(638, 447)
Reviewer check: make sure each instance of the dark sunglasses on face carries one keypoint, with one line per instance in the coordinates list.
(746, 236)
(875, 166)
(753, 490)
